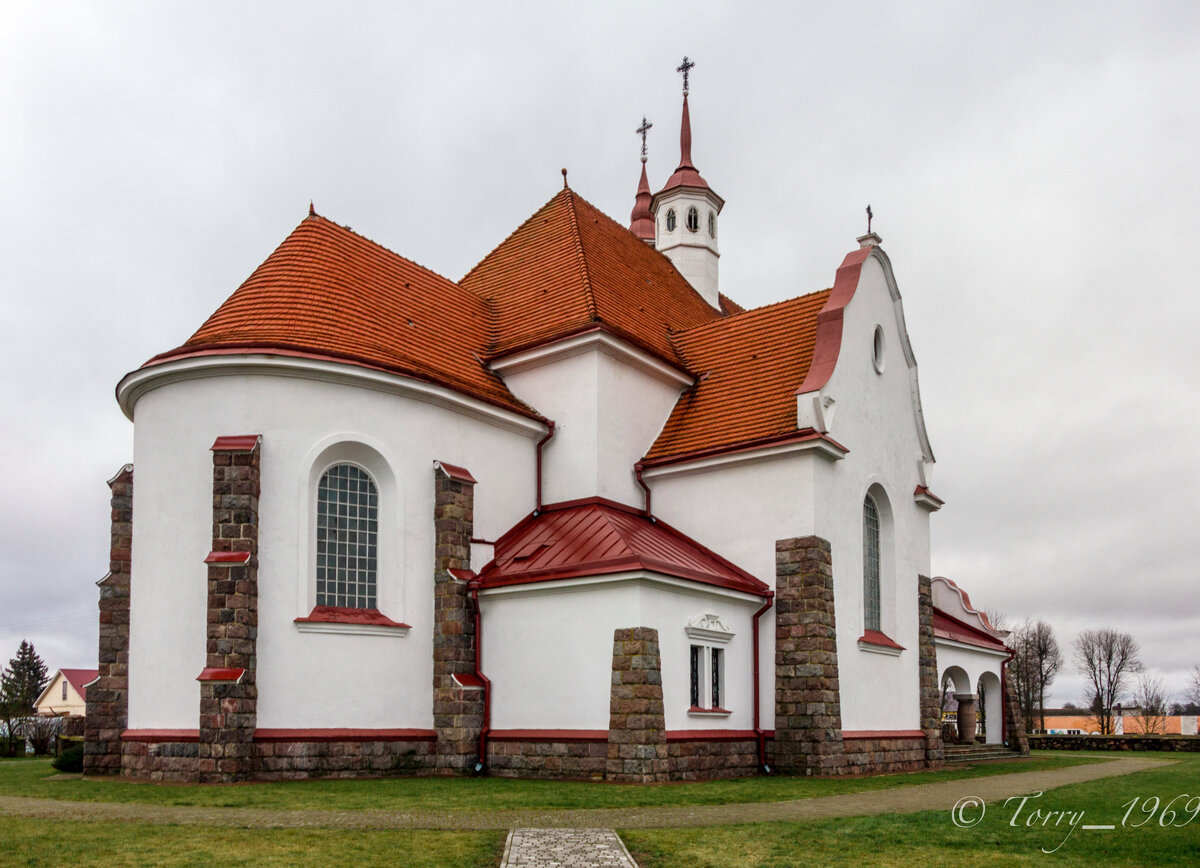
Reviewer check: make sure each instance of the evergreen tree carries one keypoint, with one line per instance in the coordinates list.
(24, 679)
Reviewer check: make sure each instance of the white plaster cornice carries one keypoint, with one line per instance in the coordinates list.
(636, 577)
(137, 383)
(709, 628)
(546, 354)
(817, 445)
(352, 629)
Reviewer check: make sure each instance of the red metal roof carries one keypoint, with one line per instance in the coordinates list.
(79, 679)
(596, 537)
(946, 627)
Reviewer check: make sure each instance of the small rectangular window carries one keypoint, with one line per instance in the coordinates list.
(696, 652)
(64, 688)
(717, 667)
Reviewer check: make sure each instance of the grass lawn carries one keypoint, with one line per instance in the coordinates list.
(64, 842)
(38, 780)
(930, 839)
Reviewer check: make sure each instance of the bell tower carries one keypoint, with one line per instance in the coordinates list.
(685, 214)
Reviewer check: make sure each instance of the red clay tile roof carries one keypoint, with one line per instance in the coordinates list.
(329, 292)
(749, 366)
(570, 266)
(596, 537)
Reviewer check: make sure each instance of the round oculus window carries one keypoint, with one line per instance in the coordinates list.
(877, 349)
(693, 219)
(671, 220)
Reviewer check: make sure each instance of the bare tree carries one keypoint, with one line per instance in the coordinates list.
(1152, 700)
(1107, 658)
(1193, 688)
(1037, 662)
(41, 731)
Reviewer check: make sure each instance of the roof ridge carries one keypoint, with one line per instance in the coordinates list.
(583, 269)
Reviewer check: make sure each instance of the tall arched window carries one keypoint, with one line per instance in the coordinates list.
(347, 533)
(671, 220)
(870, 564)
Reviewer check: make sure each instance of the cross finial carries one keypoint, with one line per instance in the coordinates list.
(869, 217)
(685, 68)
(642, 130)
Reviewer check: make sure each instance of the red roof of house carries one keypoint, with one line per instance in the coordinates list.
(749, 366)
(569, 267)
(78, 678)
(596, 537)
(328, 292)
(946, 627)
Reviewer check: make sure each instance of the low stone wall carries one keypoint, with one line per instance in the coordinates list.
(575, 759)
(167, 761)
(1115, 742)
(869, 756)
(692, 758)
(297, 760)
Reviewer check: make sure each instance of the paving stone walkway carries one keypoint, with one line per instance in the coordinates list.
(922, 797)
(565, 848)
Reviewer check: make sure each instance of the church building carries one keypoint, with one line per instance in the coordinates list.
(577, 514)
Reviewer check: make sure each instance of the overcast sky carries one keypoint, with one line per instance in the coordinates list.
(1032, 168)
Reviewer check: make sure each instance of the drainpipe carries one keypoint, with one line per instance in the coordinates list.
(549, 433)
(759, 736)
(637, 474)
(473, 588)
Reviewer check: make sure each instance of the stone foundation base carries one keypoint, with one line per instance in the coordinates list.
(169, 761)
(873, 756)
(699, 759)
(297, 760)
(548, 760)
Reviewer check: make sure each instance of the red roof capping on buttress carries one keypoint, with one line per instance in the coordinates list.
(946, 627)
(596, 537)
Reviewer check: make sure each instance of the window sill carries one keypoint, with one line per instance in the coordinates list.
(708, 712)
(878, 643)
(361, 622)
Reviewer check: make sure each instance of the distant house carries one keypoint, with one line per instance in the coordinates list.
(1126, 721)
(66, 694)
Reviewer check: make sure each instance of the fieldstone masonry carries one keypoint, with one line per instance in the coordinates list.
(457, 710)
(808, 717)
(229, 703)
(1014, 726)
(108, 697)
(637, 738)
(931, 699)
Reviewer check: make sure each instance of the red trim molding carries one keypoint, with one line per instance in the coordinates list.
(881, 733)
(828, 344)
(227, 558)
(236, 443)
(214, 674)
(804, 435)
(344, 615)
(161, 735)
(562, 735)
(467, 679)
(458, 474)
(336, 735)
(874, 637)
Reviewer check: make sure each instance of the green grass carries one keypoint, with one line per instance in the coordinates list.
(65, 842)
(37, 779)
(930, 839)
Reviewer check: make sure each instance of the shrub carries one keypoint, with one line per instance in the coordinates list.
(70, 760)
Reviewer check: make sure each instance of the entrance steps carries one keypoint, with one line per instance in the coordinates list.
(974, 753)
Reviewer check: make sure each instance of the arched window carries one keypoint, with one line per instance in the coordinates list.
(671, 220)
(870, 564)
(347, 533)
(712, 225)
(693, 219)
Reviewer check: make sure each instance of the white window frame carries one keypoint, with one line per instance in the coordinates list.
(707, 653)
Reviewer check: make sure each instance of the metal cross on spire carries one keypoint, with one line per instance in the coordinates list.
(642, 130)
(869, 217)
(685, 68)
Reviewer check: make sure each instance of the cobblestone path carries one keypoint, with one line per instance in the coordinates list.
(565, 848)
(921, 797)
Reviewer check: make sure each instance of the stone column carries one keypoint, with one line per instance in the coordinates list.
(457, 709)
(931, 694)
(1014, 725)
(966, 717)
(637, 735)
(808, 716)
(228, 683)
(108, 696)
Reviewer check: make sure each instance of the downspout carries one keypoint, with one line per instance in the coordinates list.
(541, 443)
(759, 736)
(481, 764)
(637, 474)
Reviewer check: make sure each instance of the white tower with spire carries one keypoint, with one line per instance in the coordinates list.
(685, 215)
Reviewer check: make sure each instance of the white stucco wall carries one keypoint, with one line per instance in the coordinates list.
(606, 413)
(304, 679)
(548, 652)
